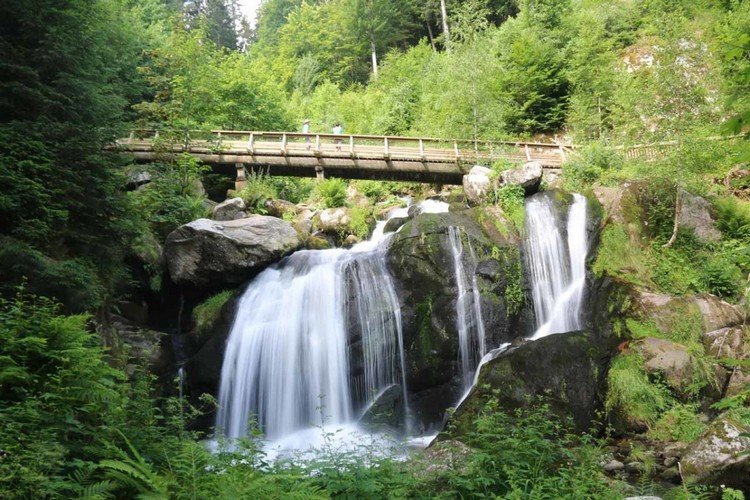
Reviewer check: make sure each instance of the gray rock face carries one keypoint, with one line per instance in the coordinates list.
(664, 310)
(213, 253)
(726, 342)
(739, 381)
(528, 176)
(613, 466)
(279, 208)
(231, 209)
(720, 455)
(669, 358)
(137, 179)
(386, 410)
(477, 184)
(696, 213)
(333, 220)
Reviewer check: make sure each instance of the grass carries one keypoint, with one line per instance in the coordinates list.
(631, 395)
(679, 423)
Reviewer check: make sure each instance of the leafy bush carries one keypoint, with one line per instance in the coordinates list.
(374, 190)
(333, 192)
(511, 200)
(722, 277)
(361, 217)
(588, 164)
(257, 191)
(733, 217)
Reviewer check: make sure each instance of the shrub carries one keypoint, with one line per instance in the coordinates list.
(258, 190)
(722, 277)
(511, 200)
(589, 164)
(333, 192)
(360, 221)
(374, 190)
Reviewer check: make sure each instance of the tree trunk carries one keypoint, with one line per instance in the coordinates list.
(444, 14)
(374, 59)
(431, 36)
(676, 228)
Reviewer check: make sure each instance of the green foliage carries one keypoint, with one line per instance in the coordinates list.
(528, 454)
(333, 192)
(59, 396)
(259, 189)
(361, 218)
(679, 423)
(511, 199)
(587, 165)
(630, 393)
(172, 198)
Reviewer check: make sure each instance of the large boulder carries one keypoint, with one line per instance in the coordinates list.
(421, 261)
(528, 176)
(739, 383)
(668, 358)
(720, 456)
(568, 371)
(207, 253)
(333, 220)
(387, 410)
(281, 208)
(477, 184)
(697, 214)
(708, 312)
(231, 209)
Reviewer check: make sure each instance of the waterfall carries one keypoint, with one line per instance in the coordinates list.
(287, 360)
(556, 263)
(471, 339)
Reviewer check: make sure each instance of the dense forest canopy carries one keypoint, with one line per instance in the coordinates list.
(77, 419)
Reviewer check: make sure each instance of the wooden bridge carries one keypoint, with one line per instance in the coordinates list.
(349, 156)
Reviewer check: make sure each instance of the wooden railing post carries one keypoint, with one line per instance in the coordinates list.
(317, 143)
(131, 136)
(528, 153)
(421, 149)
(351, 146)
(251, 144)
(283, 144)
(455, 148)
(387, 151)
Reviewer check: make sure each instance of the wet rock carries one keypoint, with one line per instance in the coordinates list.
(394, 223)
(386, 410)
(207, 253)
(333, 220)
(137, 179)
(231, 209)
(528, 176)
(697, 214)
(477, 184)
(148, 348)
(720, 455)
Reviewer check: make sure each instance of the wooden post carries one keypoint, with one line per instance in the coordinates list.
(528, 153)
(319, 173)
(386, 151)
(241, 181)
(317, 144)
(421, 149)
(351, 146)
(131, 136)
(455, 148)
(283, 144)
(251, 144)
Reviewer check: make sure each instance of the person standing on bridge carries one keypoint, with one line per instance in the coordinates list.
(338, 130)
(306, 130)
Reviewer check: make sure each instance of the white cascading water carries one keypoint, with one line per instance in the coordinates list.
(471, 338)
(287, 362)
(557, 268)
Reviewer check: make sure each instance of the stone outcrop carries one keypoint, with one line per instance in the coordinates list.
(697, 214)
(720, 456)
(207, 253)
(567, 370)
(421, 263)
(669, 358)
(231, 209)
(280, 208)
(387, 410)
(333, 220)
(477, 184)
(528, 176)
(729, 342)
(710, 311)
(739, 382)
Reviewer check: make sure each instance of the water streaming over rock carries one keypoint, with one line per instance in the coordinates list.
(471, 338)
(288, 361)
(556, 262)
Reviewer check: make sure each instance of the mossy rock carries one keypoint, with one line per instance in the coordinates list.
(567, 371)
(421, 263)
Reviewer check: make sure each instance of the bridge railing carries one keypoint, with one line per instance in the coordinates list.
(360, 145)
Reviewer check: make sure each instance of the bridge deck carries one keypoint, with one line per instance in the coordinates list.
(346, 155)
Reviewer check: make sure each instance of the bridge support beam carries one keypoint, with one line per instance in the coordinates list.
(240, 182)
(319, 173)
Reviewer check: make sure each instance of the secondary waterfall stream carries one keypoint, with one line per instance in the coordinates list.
(556, 263)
